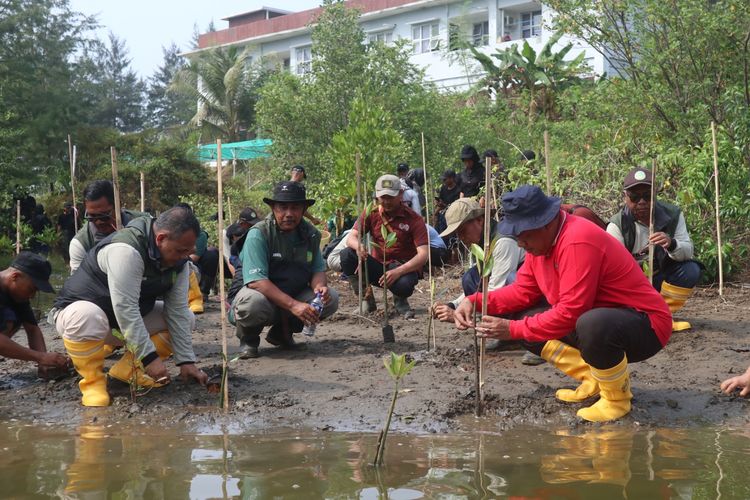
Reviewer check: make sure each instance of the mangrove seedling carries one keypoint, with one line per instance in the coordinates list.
(398, 368)
(135, 364)
(389, 239)
(485, 261)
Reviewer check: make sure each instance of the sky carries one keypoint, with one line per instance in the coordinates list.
(148, 25)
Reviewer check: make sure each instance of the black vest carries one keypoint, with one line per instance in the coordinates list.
(666, 217)
(90, 283)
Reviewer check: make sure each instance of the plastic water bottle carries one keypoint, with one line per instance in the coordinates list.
(317, 304)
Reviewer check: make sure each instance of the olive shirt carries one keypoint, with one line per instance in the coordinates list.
(256, 255)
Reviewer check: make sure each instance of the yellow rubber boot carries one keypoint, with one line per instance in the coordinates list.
(195, 297)
(675, 297)
(614, 387)
(568, 360)
(123, 370)
(88, 359)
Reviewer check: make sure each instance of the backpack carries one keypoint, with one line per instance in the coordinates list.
(331, 245)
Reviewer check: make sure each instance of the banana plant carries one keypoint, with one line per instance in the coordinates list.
(398, 368)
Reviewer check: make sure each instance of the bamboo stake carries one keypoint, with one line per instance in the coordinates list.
(718, 221)
(485, 277)
(18, 227)
(229, 209)
(431, 324)
(116, 186)
(143, 192)
(359, 235)
(220, 236)
(651, 223)
(72, 159)
(546, 163)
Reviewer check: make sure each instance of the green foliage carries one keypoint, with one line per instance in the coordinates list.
(7, 247)
(389, 238)
(484, 266)
(397, 366)
(49, 236)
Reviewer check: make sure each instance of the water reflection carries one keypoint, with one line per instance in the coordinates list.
(146, 461)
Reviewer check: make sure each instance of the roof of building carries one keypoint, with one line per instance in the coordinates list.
(290, 22)
(262, 9)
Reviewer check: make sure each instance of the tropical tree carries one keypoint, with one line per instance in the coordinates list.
(541, 74)
(224, 84)
(167, 108)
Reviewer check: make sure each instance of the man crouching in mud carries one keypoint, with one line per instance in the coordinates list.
(603, 313)
(116, 286)
(282, 270)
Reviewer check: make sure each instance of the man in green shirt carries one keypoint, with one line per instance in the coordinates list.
(282, 270)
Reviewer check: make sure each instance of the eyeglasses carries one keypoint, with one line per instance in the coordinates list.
(96, 217)
(636, 197)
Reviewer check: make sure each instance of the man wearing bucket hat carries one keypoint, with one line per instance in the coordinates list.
(675, 273)
(28, 273)
(603, 315)
(404, 260)
(465, 219)
(282, 271)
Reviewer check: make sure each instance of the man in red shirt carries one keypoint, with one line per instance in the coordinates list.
(404, 260)
(603, 311)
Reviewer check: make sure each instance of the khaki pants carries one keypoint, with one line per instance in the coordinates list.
(83, 320)
(252, 310)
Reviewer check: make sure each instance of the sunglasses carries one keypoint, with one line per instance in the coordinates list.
(95, 217)
(636, 197)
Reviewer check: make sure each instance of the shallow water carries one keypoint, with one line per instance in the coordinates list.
(141, 460)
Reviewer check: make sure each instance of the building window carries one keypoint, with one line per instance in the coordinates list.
(531, 24)
(480, 35)
(303, 59)
(385, 37)
(426, 37)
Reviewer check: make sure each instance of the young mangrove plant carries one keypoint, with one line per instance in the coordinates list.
(485, 261)
(135, 365)
(389, 239)
(398, 368)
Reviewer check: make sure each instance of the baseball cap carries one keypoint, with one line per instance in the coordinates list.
(249, 215)
(35, 267)
(462, 210)
(387, 185)
(637, 176)
(300, 168)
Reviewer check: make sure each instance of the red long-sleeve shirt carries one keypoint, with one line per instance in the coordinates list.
(585, 269)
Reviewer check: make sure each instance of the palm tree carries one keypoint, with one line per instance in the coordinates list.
(223, 83)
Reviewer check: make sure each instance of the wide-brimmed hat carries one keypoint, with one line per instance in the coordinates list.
(527, 208)
(637, 176)
(460, 211)
(387, 185)
(289, 192)
(35, 267)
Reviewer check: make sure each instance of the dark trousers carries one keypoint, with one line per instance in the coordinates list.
(684, 274)
(403, 287)
(209, 266)
(439, 256)
(605, 334)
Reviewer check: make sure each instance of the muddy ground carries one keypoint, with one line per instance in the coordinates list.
(338, 382)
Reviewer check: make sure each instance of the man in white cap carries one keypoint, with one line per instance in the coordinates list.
(404, 260)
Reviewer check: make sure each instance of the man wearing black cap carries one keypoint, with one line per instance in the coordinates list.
(298, 174)
(247, 219)
(603, 311)
(135, 280)
(472, 176)
(675, 273)
(282, 271)
(449, 192)
(27, 274)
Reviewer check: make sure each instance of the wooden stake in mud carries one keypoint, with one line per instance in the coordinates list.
(143, 192)
(359, 235)
(651, 223)
(72, 158)
(430, 323)
(18, 227)
(485, 283)
(220, 237)
(546, 163)
(718, 221)
(116, 186)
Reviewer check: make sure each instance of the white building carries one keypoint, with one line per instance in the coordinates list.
(283, 38)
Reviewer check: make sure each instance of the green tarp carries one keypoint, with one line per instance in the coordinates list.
(245, 150)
